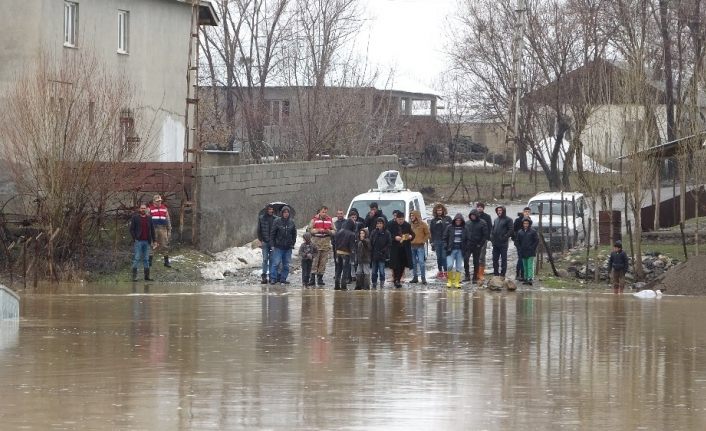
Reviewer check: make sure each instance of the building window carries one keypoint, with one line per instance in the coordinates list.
(70, 24)
(123, 31)
(130, 138)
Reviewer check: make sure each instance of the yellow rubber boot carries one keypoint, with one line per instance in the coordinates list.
(458, 280)
(450, 277)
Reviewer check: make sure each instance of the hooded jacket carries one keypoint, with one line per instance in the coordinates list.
(502, 228)
(476, 231)
(527, 241)
(438, 225)
(363, 251)
(420, 229)
(345, 238)
(488, 223)
(449, 233)
(380, 240)
(284, 232)
(265, 223)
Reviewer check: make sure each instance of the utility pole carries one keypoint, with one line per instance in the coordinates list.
(518, 45)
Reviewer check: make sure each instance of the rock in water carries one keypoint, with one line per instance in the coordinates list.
(496, 283)
(510, 285)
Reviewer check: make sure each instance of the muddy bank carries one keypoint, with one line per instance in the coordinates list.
(684, 279)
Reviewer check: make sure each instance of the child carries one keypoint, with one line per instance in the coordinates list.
(363, 253)
(380, 240)
(618, 263)
(306, 252)
(527, 241)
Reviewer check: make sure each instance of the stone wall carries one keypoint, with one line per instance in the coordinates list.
(230, 197)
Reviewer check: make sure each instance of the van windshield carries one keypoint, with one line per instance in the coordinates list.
(386, 207)
(550, 207)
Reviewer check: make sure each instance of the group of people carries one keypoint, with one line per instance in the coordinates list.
(363, 247)
(458, 243)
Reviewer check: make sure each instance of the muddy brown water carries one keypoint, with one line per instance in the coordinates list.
(226, 356)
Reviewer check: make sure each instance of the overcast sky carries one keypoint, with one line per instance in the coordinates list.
(409, 36)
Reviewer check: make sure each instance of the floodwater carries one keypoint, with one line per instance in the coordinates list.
(225, 356)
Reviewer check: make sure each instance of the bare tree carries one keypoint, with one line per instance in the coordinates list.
(67, 126)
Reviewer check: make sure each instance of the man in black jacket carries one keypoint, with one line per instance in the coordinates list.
(345, 244)
(372, 217)
(499, 237)
(401, 248)
(142, 232)
(284, 236)
(380, 241)
(437, 227)
(480, 206)
(264, 232)
(476, 234)
(516, 228)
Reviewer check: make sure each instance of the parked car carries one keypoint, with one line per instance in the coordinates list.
(390, 195)
(562, 217)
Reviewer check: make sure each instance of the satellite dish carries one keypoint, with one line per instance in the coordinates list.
(390, 181)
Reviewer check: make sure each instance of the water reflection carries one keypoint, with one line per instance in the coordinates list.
(225, 357)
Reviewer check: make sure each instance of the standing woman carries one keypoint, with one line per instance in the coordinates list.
(527, 241)
(401, 248)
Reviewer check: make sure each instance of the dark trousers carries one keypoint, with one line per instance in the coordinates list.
(397, 274)
(519, 269)
(466, 266)
(500, 254)
(343, 268)
(476, 262)
(306, 270)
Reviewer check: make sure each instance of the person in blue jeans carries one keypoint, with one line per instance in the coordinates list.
(265, 223)
(284, 236)
(380, 241)
(142, 232)
(455, 238)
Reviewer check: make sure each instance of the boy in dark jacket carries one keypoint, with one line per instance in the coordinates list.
(527, 240)
(307, 251)
(618, 263)
(264, 235)
(363, 251)
(345, 244)
(284, 236)
(516, 227)
(380, 240)
(499, 236)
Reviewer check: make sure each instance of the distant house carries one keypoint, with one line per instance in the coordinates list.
(488, 132)
(615, 119)
(399, 121)
(148, 39)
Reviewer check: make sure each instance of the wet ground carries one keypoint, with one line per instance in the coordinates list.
(229, 356)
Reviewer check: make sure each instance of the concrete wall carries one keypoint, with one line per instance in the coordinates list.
(156, 62)
(229, 198)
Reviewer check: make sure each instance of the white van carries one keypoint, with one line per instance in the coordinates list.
(561, 212)
(390, 195)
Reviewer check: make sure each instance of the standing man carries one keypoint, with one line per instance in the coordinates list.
(322, 229)
(373, 216)
(264, 235)
(475, 239)
(338, 225)
(162, 228)
(345, 243)
(454, 238)
(284, 236)
(400, 249)
(618, 264)
(500, 235)
(142, 232)
(480, 206)
(516, 228)
(421, 236)
(437, 227)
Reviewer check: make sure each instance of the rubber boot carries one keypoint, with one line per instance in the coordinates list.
(467, 276)
(375, 285)
(414, 280)
(424, 280)
(458, 280)
(134, 274)
(320, 279)
(450, 279)
(481, 273)
(166, 262)
(336, 285)
(147, 275)
(150, 260)
(264, 279)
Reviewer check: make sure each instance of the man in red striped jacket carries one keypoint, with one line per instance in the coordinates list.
(322, 229)
(162, 227)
